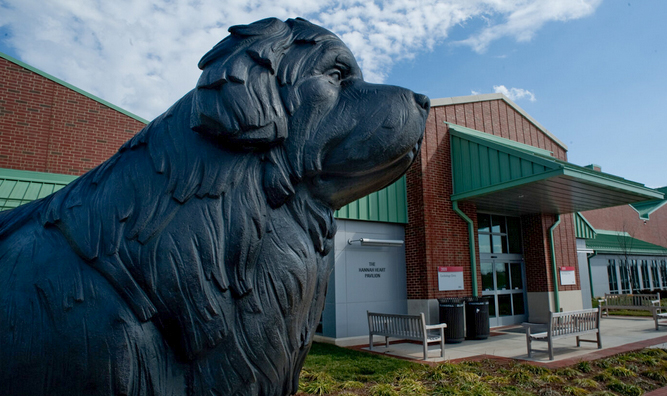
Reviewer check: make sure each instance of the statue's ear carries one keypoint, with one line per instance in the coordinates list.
(237, 97)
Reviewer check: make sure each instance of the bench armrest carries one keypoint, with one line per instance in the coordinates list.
(529, 325)
(436, 326)
(655, 302)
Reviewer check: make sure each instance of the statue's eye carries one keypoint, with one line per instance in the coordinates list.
(335, 74)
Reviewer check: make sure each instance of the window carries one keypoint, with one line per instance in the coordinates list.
(498, 234)
(654, 275)
(663, 273)
(611, 274)
(646, 284)
(634, 275)
(625, 276)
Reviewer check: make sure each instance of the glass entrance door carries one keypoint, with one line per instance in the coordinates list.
(501, 263)
(503, 284)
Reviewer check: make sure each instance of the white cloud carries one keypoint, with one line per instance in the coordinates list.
(142, 55)
(514, 93)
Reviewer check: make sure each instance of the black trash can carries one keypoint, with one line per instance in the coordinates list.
(451, 312)
(477, 318)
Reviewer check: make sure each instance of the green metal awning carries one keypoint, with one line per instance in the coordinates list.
(647, 207)
(19, 187)
(614, 242)
(582, 228)
(512, 178)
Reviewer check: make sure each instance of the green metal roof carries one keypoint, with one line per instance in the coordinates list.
(72, 87)
(614, 242)
(647, 207)
(19, 187)
(504, 176)
(582, 228)
(387, 205)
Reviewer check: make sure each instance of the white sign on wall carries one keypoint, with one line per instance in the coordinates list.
(450, 278)
(567, 276)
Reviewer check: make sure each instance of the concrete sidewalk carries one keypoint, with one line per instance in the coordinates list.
(619, 334)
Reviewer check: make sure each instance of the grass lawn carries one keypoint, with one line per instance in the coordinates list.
(331, 370)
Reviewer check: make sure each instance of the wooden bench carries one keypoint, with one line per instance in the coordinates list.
(565, 324)
(644, 302)
(411, 327)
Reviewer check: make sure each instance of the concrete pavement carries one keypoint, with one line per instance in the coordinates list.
(619, 334)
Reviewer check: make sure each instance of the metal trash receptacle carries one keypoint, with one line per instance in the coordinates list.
(451, 312)
(477, 318)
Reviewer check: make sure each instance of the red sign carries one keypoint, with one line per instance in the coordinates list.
(450, 269)
(567, 268)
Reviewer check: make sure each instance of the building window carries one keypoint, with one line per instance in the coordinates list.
(611, 274)
(663, 273)
(634, 275)
(625, 276)
(498, 234)
(654, 275)
(646, 284)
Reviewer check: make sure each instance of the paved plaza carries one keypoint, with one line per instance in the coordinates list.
(619, 334)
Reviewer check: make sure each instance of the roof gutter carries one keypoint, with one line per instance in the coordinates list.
(471, 243)
(553, 263)
(590, 273)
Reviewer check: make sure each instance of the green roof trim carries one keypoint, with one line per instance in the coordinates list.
(582, 228)
(647, 207)
(499, 174)
(612, 242)
(72, 87)
(389, 205)
(499, 140)
(20, 187)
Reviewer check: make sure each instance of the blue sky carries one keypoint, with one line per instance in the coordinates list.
(593, 72)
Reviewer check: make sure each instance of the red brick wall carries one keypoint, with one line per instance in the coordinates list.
(436, 235)
(624, 218)
(47, 127)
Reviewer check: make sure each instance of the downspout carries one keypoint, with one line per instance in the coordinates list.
(553, 263)
(471, 243)
(590, 273)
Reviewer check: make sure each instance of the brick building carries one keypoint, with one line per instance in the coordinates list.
(491, 208)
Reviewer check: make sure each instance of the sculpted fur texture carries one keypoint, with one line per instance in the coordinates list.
(195, 260)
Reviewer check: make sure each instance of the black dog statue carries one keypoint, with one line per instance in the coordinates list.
(195, 260)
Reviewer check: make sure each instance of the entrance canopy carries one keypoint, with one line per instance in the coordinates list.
(504, 176)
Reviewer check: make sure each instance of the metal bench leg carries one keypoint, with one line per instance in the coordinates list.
(578, 342)
(551, 349)
(370, 342)
(442, 343)
(599, 339)
(425, 349)
(386, 341)
(528, 340)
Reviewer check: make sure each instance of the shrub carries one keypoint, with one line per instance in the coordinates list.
(551, 379)
(317, 383)
(410, 386)
(520, 376)
(621, 372)
(569, 372)
(658, 376)
(383, 390)
(586, 383)
(625, 389)
(584, 367)
(575, 391)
